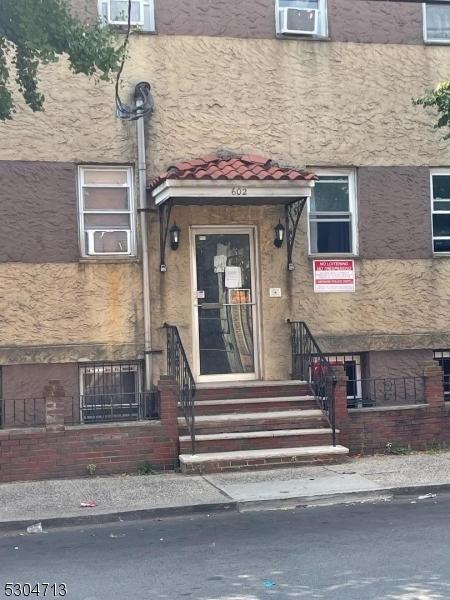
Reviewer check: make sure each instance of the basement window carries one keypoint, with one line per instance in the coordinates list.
(106, 212)
(436, 22)
(442, 357)
(352, 367)
(111, 392)
(115, 12)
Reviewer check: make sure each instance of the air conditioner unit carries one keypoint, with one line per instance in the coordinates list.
(299, 21)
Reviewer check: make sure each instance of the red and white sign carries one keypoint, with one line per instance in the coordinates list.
(334, 276)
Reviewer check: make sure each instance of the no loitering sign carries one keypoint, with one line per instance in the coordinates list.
(334, 276)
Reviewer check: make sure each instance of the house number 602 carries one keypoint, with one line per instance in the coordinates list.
(239, 191)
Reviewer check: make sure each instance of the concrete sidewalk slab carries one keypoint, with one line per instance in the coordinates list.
(42, 500)
(296, 488)
(57, 502)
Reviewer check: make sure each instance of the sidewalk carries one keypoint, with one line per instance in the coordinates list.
(57, 502)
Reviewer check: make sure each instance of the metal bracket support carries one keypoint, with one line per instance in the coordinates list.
(293, 212)
(164, 219)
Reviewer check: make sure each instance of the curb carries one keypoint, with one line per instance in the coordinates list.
(377, 495)
(118, 517)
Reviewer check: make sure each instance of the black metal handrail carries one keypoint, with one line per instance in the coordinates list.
(310, 364)
(178, 368)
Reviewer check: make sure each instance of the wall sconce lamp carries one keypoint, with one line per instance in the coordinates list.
(279, 235)
(174, 236)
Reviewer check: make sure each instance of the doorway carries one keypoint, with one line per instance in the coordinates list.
(225, 304)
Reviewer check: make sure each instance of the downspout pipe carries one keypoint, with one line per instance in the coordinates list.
(142, 98)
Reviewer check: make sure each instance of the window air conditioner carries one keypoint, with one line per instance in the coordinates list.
(299, 21)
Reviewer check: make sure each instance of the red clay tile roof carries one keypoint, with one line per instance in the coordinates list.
(231, 167)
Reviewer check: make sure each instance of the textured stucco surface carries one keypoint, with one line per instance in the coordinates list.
(299, 102)
(234, 18)
(375, 22)
(361, 21)
(70, 309)
(394, 212)
(38, 212)
(29, 380)
(406, 363)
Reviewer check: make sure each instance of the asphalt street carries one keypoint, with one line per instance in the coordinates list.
(392, 550)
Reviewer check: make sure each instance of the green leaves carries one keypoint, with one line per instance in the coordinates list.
(34, 32)
(439, 99)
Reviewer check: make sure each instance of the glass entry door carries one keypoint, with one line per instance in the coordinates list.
(224, 305)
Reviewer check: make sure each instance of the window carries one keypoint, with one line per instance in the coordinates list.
(436, 22)
(110, 392)
(352, 367)
(440, 208)
(106, 211)
(302, 17)
(443, 358)
(115, 12)
(332, 214)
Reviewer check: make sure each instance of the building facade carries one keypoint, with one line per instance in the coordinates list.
(323, 89)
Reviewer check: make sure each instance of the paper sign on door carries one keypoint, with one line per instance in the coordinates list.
(220, 262)
(233, 277)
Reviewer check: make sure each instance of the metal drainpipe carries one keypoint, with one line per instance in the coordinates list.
(142, 203)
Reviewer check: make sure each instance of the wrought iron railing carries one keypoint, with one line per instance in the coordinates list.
(310, 364)
(22, 412)
(385, 391)
(115, 407)
(178, 368)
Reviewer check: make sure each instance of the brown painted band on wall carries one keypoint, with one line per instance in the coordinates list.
(362, 21)
(38, 212)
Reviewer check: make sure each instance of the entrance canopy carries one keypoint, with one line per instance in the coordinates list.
(232, 179)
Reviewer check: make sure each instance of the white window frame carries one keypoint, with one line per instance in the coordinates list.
(150, 4)
(323, 26)
(351, 174)
(131, 232)
(425, 29)
(434, 172)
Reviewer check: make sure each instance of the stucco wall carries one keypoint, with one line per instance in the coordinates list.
(362, 21)
(38, 212)
(394, 212)
(29, 380)
(406, 363)
(300, 102)
(67, 312)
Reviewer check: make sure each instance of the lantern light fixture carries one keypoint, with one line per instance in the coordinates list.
(279, 235)
(174, 232)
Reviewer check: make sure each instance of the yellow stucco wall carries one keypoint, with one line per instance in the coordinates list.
(69, 312)
(298, 101)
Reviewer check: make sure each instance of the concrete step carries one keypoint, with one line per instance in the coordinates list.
(253, 459)
(254, 440)
(256, 421)
(237, 405)
(251, 389)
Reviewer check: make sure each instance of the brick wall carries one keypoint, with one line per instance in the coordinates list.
(27, 454)
(57, 450)
(418, 427)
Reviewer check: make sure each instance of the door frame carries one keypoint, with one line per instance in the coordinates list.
(252, 232)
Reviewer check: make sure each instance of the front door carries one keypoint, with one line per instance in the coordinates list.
(225, 309)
